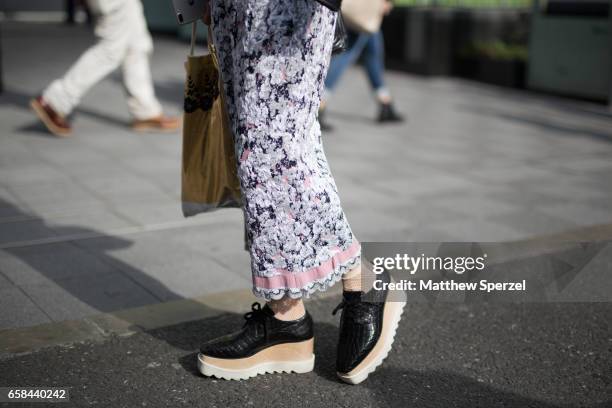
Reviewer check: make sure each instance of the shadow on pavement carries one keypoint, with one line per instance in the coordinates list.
(91, 274)
(395, 387)
(595, 109)
(359, 117)
(546, 124)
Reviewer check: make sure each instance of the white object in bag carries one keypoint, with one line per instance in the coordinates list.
(363, 15)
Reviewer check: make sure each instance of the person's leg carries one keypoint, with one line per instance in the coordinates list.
(97, 62)
(374, 57)
(300, 241)
(339, 63)
(136, 69)
(273, 78)
(60, 98)
(143, 105)
(138, 83)
(351, 281)
(70, 11)
(374, 61)
(287, 309)
(65, 93)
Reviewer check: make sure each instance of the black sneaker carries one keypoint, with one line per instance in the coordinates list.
(367, 329)
(264, 345)
(387, 114)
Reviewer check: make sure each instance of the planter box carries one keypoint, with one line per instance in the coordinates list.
(571, 56)
(498, 72)
(419, 40)
(426, 40)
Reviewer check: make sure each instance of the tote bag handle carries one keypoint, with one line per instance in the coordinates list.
(209, 40)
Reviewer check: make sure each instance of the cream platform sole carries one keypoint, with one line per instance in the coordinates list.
(286, 357)
(392, 315)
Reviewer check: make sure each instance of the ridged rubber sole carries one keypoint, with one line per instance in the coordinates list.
(392, 315)
(282, 358)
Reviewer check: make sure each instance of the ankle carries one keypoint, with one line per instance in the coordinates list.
(351, 281)
(287, 309)
(383, 96)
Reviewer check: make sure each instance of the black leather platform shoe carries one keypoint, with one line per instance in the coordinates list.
(367, 329)
(263, 345)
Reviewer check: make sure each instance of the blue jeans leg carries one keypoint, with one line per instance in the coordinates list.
(374, 60)
(339, 63)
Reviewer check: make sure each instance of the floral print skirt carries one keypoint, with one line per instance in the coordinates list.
(273, 57)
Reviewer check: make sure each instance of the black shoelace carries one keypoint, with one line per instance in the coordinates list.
(339, 307)
(256, 316)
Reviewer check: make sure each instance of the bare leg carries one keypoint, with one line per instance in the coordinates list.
(287, 308)
(351, 281)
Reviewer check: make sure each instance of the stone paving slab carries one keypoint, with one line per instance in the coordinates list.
(18, 309)
(40, 263)
(24, 230)
(158, 256)
(75, 298)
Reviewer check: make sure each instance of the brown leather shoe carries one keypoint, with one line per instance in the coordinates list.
(159, 123)
(54, 121)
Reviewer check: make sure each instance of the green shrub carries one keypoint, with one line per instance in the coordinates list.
(497, 50)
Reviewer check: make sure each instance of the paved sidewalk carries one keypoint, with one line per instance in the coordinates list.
(92, 223)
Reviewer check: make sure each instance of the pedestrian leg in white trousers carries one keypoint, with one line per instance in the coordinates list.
(124, 41)
(65, 93)
(138, 83)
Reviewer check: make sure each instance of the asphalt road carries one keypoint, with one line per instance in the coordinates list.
(445, 355)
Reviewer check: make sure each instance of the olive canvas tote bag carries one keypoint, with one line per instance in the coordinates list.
(209, 166)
